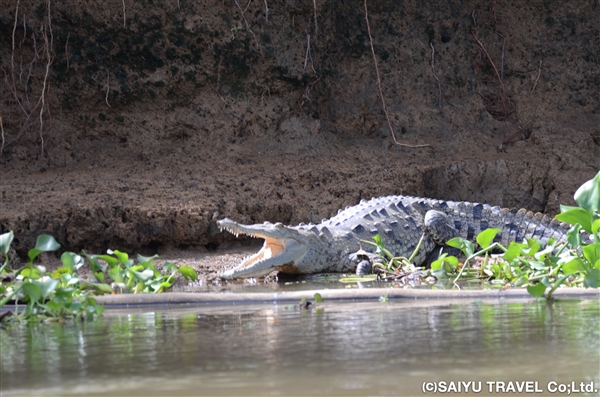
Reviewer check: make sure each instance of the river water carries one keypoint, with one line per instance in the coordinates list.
(336, 348)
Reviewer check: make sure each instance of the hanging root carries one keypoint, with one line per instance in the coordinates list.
(20, 94)
(387, 116)
(2, 132)
(538, 76)
(434, 75)
(244, 18)
(503, 95)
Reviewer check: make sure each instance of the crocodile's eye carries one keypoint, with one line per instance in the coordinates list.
(279, 225)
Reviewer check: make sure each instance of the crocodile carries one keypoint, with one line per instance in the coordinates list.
(401, 221)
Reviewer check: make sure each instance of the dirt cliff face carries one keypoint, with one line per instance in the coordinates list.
(136, 125)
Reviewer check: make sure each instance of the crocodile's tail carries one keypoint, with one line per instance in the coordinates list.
(469, 219)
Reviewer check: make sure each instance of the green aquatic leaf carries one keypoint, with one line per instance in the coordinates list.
(32, 273)
(485, 238)
(378, 240)
(116, 274)
(537, 265)
(574, 236)
(139, 287)
(588, 195)
(137, 268)
(188, 273)
(99, 276)
(532, 247)
(68, 279)
(33, 291)
(5, 241)
(143, 276)
(577, 216)
(465, 246)
(160, 287)
(58, 273)
(44, 243)
(592, 252)
(96, 265)
(122, 256)
(358, 279)
(47, 286)
(537, 290)
(71, 260)
(438, 264)
(64, 294)
(318, 297)
(110, 260)
(573, 266)
(167, 267)
(514, 250)
(546, 281)
(592, 279)
(596, 226)
(146, 259)
(102, 287)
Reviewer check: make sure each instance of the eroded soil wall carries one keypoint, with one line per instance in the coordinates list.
(138, 124)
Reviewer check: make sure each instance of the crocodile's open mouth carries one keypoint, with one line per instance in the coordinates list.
(271, 248)
(280, 248)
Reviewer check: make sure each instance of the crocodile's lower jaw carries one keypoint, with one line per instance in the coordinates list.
(270, 249)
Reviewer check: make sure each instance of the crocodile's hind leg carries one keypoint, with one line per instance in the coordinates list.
(441, 230)
(439, 227)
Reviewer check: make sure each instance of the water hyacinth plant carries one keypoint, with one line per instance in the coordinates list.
(63, 294)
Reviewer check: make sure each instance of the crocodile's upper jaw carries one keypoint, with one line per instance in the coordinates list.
(283, 247)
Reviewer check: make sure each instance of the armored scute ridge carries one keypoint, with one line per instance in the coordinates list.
(400, 220)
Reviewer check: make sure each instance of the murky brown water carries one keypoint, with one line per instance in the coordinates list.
(335, 349)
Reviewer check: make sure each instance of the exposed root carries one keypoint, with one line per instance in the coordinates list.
(316, 27)
(266, 12)
(107, 87)
(503, 95)
(12, 56)
(308, 53)
(245, 20)
(2, 131)
(538, 76)
(48, 46)
(387, 116)
(66, 49)
(20, 96)
(434, 75)
(124, 20)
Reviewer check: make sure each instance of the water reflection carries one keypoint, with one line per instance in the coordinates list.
(339, 348)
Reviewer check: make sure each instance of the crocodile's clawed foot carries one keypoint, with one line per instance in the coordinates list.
(365, 261)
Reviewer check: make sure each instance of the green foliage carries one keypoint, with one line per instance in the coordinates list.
(44, 243)
(5, 241)
(444, 265)
(53, 297)
(358, 279)
(389, 262)
(63, 294)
